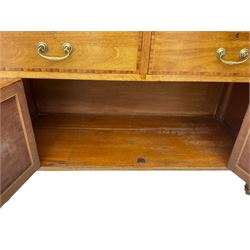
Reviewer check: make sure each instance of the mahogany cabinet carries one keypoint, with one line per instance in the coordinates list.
(123, 101)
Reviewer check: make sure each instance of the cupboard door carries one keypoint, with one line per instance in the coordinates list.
(19, 157)
(239, 161)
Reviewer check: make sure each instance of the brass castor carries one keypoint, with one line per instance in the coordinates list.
(247, 189)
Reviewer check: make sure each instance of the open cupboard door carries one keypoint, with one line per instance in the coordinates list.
(239, 161)
(19, 157)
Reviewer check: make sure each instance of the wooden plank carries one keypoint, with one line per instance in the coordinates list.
(196, 78)
(76, 76)
(67, 142)
(123, 77)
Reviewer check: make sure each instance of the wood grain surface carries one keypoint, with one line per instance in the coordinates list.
(112, 97)
(15, 158)
(138, 56)
(67, 142)
(19, 156)
(239, 161)
(93, 52)
(4, 82)
(194, 53)
(237, 106)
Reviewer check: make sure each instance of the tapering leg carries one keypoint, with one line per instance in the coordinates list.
(247, 189)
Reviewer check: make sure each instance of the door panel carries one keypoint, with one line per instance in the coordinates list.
(239, 161)
(19, 157)
(244, 158)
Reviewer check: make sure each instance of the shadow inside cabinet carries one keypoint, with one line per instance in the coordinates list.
(135, 125)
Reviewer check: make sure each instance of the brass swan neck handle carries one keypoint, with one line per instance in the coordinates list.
(42, 49)
(243, 54)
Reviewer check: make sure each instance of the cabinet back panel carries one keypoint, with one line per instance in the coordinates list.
(106, 97)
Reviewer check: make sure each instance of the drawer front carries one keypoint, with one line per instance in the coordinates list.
(194, 53)
(93, 52)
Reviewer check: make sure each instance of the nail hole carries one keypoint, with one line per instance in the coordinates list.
(140, 160)
(237, 35)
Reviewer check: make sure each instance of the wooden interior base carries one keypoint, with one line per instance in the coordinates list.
(73, 141)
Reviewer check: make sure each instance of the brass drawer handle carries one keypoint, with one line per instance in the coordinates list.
(221, 53)
(42, 49)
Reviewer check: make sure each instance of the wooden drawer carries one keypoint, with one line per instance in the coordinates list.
(93, 52)
(185, 54)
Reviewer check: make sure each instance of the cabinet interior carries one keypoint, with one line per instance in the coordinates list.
(135, 125)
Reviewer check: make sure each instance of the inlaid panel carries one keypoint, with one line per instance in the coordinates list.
(15, 158)
(19, 157)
